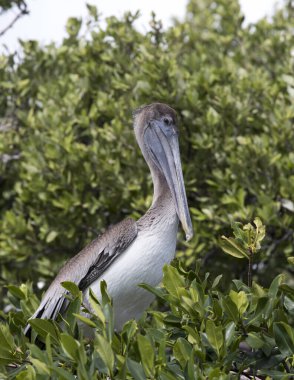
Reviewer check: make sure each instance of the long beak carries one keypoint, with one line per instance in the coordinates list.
(164, 146)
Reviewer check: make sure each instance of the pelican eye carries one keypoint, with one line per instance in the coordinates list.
(167, 121)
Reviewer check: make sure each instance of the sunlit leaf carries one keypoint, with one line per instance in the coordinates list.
(240, 299)
(182, 351)
(233, 247)
(71, 287)
(214, 336)
(69, 345)
(105, 352)
(147, 354)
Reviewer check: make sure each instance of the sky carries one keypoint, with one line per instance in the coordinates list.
(47, 18)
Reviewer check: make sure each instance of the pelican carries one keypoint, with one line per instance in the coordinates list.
(133, 252)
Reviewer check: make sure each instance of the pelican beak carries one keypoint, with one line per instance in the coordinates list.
(162, 142)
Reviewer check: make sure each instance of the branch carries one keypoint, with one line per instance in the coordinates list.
(250, 268)
(285, 364)
(18, 16)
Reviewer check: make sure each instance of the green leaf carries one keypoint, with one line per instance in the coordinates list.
(85, 320)
(182, 351)
(16, 291)
(129, 330)
(6, 356)
(259, 233)
(28, 374)
(73, 26)
(274, 287)
(239, 232)
(158, 292)
(289, 303)
(106, 299)
(49, 349)
(72, 288)
(193, 335)
(41, 367)
(104, 350)
(36, 352)
(44, 327)
(93, 11)
(230, 333)
(74, 307)
(62, 373)
(172, 320)
(109, 316)
(6, 338)
(214, 336)
(69, 345)
(172, 280)
(287, 290)
(258, 290)
(230, 308)
(261, 310)
(254, 340)
(95, 305)
(284, 337)
(290, 260)
(240, 300)
(136, 369)
(51, 236)
(216, 281)
(147, 355)
(232, 247)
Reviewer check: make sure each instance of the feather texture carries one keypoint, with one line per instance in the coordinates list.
(86, 267)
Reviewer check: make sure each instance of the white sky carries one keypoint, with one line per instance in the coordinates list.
(47, 18)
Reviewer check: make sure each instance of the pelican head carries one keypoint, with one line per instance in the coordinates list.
(156, 132)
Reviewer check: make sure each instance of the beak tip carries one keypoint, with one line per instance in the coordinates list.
(189, 235)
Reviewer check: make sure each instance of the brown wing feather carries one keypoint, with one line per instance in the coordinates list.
(86, 267)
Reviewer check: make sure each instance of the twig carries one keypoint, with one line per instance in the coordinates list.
(18, 16)
(287, 369)
(250, 268)
(12, 365)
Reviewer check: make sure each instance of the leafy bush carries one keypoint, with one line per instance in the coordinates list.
(67, 164)
(206, 333)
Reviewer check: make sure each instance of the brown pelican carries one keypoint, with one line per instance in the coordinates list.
(133, 252)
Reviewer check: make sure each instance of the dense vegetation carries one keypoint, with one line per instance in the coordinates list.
(69, 167)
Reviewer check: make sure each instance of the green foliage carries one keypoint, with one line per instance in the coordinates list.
(247, 239)
(67, 164)
(207, 333)
(246, 243)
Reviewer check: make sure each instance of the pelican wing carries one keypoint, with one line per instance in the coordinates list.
(86, 267)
